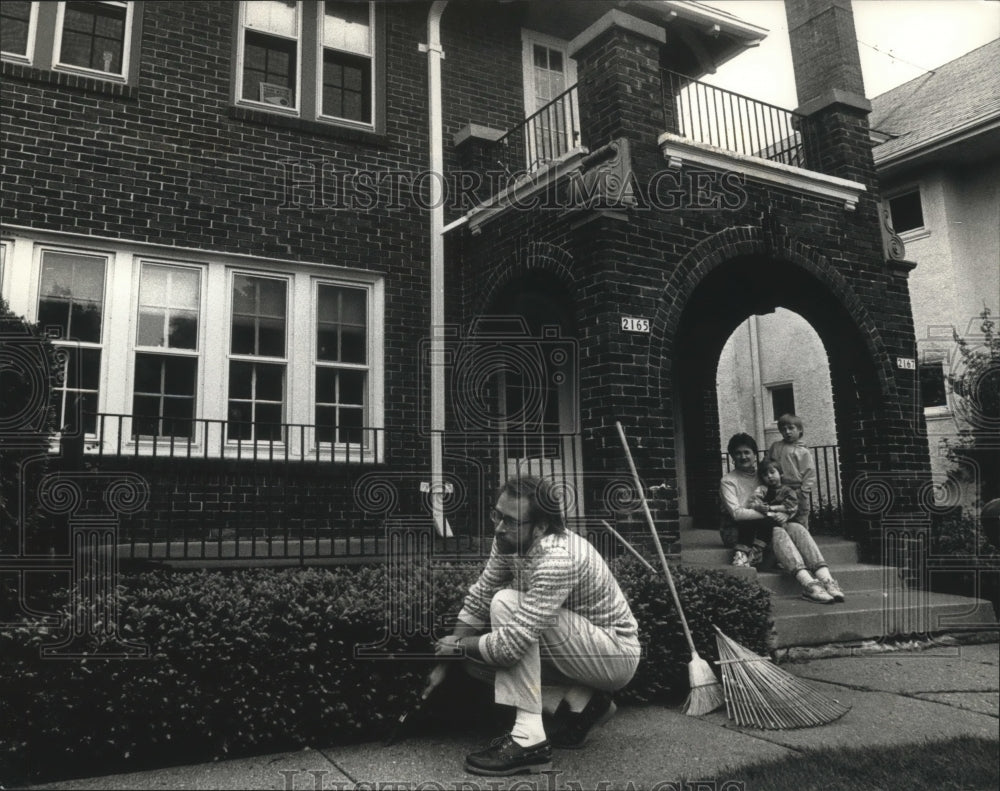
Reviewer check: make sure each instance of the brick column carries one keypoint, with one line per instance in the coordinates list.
(618, 67)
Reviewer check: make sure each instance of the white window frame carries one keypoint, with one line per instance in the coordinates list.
(57, 65)
(29, 49)
(528, 39)
(295, 109)
(309, 107)
(123, 267)
(340, 449)
(288, 395)
(102, 345)
(197, 438)
(770, 387)
(318, 87)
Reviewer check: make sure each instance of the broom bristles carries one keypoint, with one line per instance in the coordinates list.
(706, 692)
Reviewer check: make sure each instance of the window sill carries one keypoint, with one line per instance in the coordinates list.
(322, 128)
(79, 82)
(914, 235)
(937, 413)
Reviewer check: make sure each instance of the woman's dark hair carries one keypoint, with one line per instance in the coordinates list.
(741, 440)
(764, 467)
(544, 502)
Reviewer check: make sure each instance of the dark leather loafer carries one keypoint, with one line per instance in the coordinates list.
(503, 756)
(571, 731)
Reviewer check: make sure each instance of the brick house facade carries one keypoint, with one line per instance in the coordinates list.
(222, 210)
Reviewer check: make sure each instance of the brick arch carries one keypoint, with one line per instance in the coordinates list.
(739, 241)
(531, 257)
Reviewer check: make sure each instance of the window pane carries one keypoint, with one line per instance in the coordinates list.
(93, 36)
(76, 281)
(352, 387)
(243, 335)
(347, 86)
(153, 286)
(272, 297)
(184, 289)
(240, 425)
(85, 321)
(352, 345)
(326, 385)
(180, 375)
(240, 380)
(326, 343)
(150, 329)
(782, 401)
(271, 338)
(326, 421)
(145, 414)
(273, 17)
(347, 26)
(183, 331)
(353, 306)
(54, 313)
(14, 19)
(268, 422)
(351, 421)
(906, 212)
(148, 373)
(269, 61)
(270, 382)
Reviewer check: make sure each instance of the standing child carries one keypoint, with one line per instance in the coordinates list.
(796, 462)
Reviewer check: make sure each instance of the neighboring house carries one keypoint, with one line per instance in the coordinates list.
(306, 259)
(937, 155)
(938, 160)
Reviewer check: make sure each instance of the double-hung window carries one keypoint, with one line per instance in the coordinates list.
(71, 301)
(257, 358)
(94, 37)
(165, 376)
(315, 60)
(341, 364)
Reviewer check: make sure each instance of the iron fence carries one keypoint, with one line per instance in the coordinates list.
(728, 120)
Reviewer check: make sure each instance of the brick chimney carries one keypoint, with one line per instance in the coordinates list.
(830, 88)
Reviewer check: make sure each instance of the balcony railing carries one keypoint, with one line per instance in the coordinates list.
(734, 122)
(544, 136)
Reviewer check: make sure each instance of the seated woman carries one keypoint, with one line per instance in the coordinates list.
(742, 525)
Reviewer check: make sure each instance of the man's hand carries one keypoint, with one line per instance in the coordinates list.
(448, 645)
(434, 679)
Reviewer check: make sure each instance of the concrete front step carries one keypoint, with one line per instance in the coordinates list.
(868, 615)
(878, 604)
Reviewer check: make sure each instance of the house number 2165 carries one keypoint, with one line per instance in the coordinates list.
(630, 324)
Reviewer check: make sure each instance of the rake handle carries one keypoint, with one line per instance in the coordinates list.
(629, 547)
(656, 537)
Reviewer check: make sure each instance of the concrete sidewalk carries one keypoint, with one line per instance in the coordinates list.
(897, 697)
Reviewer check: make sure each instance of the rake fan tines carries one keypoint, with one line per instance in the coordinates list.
(759, 694)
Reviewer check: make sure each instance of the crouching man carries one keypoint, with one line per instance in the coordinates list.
(544, 598)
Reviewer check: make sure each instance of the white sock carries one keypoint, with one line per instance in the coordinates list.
(577, 698)
(803, 577)
(823, 573)
(528, 729)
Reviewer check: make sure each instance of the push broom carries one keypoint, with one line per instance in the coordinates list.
(706, 693)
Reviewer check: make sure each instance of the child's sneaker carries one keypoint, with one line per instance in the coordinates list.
(814, 591)
(756, 554)
(830, 586)
(740, 558)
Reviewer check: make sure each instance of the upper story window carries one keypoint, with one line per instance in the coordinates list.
(314, 60)
(906, 211)
(92, 38)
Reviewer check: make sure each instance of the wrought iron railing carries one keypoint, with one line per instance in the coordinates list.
(544, 136)
(203, 438)
(728, 120)
(825, 500)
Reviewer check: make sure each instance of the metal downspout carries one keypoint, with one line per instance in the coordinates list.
(434, 56)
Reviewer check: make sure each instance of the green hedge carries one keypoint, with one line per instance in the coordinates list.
(261, 660)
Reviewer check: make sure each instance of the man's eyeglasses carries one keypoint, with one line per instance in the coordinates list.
(496, 518)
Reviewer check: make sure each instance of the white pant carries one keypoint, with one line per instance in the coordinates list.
(582, 653)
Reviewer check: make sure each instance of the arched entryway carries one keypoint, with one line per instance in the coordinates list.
(735, 289)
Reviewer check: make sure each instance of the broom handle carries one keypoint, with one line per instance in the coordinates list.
(656, 537)
(629, 547)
